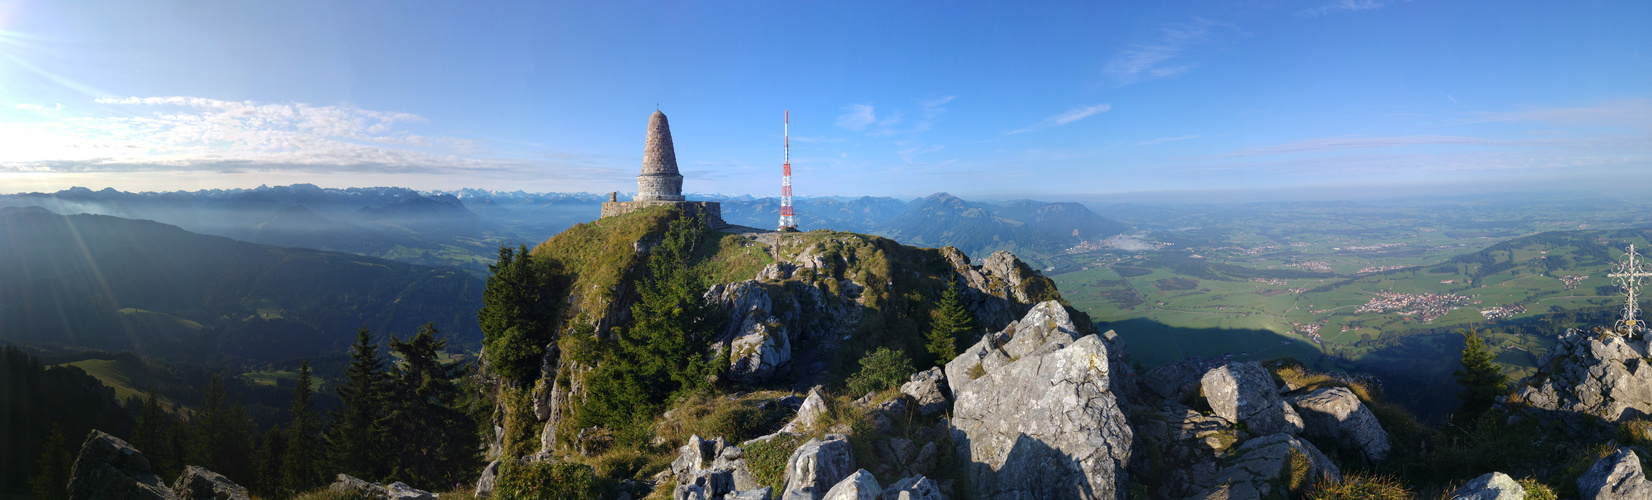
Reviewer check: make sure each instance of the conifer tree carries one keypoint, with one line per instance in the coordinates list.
(357, 435)
(515, 316)
(52, 481)
(150, 433)
(663, 351)
(272, 450)
(219, 433)
(300, 467)
(441, 442)
(1482, 381)
(952, 321)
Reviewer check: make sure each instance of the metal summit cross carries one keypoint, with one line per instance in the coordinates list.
(1630, 274)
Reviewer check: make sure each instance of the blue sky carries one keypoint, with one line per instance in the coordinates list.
(1049, 101)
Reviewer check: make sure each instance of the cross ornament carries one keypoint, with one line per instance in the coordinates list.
(1630, 274)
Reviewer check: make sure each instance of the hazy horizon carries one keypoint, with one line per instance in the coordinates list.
(1314, 99)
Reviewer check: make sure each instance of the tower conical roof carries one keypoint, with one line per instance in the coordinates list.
(658, 155)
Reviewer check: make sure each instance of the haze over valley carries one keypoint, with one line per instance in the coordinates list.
(1305, 250)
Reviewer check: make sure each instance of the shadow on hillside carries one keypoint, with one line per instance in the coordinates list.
(1153, 343)
(1045, 471)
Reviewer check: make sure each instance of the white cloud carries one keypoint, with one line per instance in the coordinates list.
(919, 149)
(32, 107)
(192, 134)
(858, 117)
(1341, 6)
(1163, 57)
(1071, 115)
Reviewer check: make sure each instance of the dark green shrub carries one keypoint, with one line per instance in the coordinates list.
(880, 370)
(545, 480)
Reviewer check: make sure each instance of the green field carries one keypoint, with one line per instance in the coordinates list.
(1255, 281)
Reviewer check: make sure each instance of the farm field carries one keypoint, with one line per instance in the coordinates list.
(1346, 281)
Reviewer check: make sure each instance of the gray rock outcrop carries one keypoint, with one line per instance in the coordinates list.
(1616, 477)
(813, 407)
(1491, 486)
(1255, 468)
(759, 344)
(108, 467)
(1046, 327)
(1336, 413)
(858, 486)
(995, 291)
(1582, 373)
(763, 493)
(347, 484)
(1045, 425)
(929, 391)
(1244, 392)
(197, 483)
(913, 488)
(817, 466)
(484, 483)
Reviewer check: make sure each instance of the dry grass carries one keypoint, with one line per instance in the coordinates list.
(1358, 486)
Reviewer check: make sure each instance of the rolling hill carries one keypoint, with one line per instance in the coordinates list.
(102, 282)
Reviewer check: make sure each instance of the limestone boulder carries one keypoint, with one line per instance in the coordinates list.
(817, 466)
(858, 486)
(485, 482)
(1045, 425)
(1491, 486)
(1604, 376)
(929, 391)
(351, 485)
(1045, 328)
(759, 344)
(1255, 468)
(763, 493)
(1616, 477)
(913, 488)
(1336, 413)
(108, 467)
(808, 414)
(1244, 392)
(197, 483)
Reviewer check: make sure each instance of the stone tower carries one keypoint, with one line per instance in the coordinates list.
(661, 184)
(659, 180)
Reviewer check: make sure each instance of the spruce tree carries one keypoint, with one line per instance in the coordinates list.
(272, 450)
(300, 467)
(515, 316)
(440, 445)
(952, 322)
(1480, 377)
(357, 435)
(150, 435)
(662, 354)
(219, 433)
(52, 480)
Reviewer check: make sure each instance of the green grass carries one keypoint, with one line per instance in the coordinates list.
(109, 372)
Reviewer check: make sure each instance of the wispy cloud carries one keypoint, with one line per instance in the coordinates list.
(31, 107)
(1069, 116)
(1633, 113)
(857, 118)
(1164, 57)
(1162, 140)
(1341, 6)
(1349, 142)
(918, 149)
(159, 134)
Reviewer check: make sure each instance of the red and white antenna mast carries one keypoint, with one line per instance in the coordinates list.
(786, 221)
